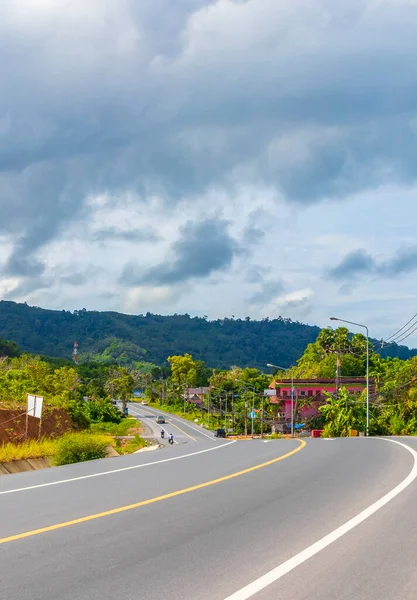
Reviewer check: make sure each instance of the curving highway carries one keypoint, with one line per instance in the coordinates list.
(219, 520)
(183, 431)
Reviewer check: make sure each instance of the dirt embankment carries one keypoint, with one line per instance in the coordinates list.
(55, 422)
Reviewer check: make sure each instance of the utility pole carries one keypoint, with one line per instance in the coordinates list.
(253, 408)
(225, 416)
(185, 395)
(367, 364)
(337, 374)
(262, 418)
(246, 415)
(208, 410)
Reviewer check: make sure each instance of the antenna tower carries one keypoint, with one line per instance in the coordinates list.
(75, 353)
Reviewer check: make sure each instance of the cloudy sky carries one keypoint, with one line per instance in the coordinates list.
(232, 157)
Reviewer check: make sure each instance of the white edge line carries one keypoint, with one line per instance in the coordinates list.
(137, 414)
(210, 437)
(91, 475)
(275, 574)
(183, 422)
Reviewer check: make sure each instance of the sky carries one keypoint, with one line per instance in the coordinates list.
(232, 157)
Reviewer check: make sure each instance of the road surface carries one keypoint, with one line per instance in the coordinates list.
(183, 431)
(204, 520)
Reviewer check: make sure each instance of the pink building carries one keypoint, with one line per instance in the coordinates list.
(309, 394)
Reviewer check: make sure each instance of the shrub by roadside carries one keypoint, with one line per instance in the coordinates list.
(76, 447)
(79, 447)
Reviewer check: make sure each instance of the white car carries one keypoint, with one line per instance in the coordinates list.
(144, 403)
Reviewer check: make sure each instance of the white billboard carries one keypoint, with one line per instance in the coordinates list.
(34, 406)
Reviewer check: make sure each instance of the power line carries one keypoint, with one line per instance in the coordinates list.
(399, 330)
(408, 334)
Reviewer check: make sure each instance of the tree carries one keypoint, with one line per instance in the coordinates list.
(320, 358)
(120, 385)
(183, 370)
(8, 348)
(343, 413)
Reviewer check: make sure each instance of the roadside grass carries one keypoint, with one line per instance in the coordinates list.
(121, 428)
(28, 449)
(67, 449)
(129, 446)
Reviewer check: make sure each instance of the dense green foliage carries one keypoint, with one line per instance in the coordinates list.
(86, 389)
(393, 402)
(28, 374)
(80, 447)
(110, 337)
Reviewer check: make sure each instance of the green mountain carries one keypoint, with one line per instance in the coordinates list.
(108, 336)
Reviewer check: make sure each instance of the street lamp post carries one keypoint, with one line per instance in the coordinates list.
(248, 385)
(367, 364)
(225, 410)
(292, 393)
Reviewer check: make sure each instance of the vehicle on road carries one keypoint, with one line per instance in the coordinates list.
(160, 420)
(144, 403)
(220, 433)
(171, 439)
(162, 434)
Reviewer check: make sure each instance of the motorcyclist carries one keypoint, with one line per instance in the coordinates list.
(162, 434)
(171, 438)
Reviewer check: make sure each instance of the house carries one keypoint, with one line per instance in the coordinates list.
(196, 395)
(309, 394)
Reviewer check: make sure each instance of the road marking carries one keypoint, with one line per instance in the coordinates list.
(184, 432)
(155, 462)
(121, 509)
(275, 574)
(173, 424)
(137, 414)
(210, 437)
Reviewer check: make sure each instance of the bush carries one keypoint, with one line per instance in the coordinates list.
(102, 411)
(78, 413)
(78, 447)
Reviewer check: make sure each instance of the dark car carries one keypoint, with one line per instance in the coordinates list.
(160, 420)
(220, 433)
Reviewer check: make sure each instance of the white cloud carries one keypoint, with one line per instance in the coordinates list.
(142, 299)
(292, 121)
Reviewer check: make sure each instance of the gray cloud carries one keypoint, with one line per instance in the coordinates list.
(202, 248)
(359, 262)
(134, 235)
(404, 261)
(319, 102)
(354, 263)
(267, 292)
(346, 289)
(257, 273)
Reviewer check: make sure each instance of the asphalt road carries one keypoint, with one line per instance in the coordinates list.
(192, 525)
(184, 431)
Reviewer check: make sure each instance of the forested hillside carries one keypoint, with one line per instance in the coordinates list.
(110, 336)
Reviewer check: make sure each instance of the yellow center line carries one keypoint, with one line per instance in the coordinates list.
(173, 425)
(115, 511)
(182, 431)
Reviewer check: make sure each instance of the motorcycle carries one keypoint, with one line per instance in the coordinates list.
(171, 440)
(162, 434)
